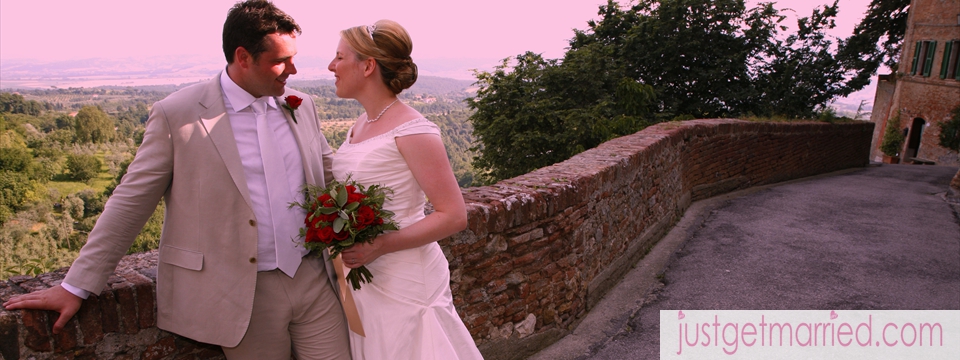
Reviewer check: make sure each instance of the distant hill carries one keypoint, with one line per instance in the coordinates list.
(18, 74)
(425, 85)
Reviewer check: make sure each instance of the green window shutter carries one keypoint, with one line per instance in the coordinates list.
(945, 64)
(916, 58)
(956, 60)
(928, 60)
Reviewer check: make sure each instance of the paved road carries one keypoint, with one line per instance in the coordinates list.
(880, 237)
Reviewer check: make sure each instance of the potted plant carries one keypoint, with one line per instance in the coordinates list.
(892, 141)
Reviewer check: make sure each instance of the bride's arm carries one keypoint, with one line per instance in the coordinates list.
(427, 159)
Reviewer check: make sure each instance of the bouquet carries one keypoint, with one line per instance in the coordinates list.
(344, 214)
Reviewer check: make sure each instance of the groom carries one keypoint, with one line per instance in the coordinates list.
(227, 156)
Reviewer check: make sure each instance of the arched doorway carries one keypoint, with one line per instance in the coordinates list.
(916, 133)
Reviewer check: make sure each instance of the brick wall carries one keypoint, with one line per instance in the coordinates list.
(539, 251)
(918, 97)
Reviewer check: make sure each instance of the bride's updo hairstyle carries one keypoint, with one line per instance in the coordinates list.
(390, 45)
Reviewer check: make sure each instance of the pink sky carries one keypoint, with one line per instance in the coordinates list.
(66, 29)
(55, 30)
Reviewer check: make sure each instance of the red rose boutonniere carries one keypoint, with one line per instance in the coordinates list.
(292, 103)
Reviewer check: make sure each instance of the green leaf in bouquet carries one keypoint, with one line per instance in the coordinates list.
(327, 210)
(338, 224)
(341, 197)
(347, 243)
(352, 206)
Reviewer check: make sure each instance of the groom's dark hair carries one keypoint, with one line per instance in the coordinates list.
(249, 22)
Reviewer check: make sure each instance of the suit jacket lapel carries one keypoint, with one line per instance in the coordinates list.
(217, 124)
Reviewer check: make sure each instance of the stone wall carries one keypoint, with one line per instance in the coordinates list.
(540, 249)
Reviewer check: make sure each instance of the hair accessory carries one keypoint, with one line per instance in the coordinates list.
(384, 110)
(370, 30)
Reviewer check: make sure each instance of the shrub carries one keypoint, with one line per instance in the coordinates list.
(14, 187)
(83, 167)
(950, 131)
(892, 137)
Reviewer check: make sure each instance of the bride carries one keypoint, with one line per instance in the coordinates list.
(407, 310)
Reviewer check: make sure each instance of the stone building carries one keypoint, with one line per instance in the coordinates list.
(925, 88)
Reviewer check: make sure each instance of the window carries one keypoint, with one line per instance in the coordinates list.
(916, 57)
(928, 59)
(923, 58)
(950, 67)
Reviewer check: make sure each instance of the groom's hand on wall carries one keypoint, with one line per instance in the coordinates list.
(56, 298)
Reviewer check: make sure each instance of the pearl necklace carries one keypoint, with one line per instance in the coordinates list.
(381, 113)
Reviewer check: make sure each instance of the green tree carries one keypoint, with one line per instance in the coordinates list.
(655, 60)
(93, 125)
(14, 187)
(16, 104)
(532, 116)
(83, 167)
(93, 202)
(877, 38)
(15, 159)
(64, 121)
(802, 73)
(694, 53)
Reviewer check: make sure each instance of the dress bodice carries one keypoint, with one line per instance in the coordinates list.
(378, 161)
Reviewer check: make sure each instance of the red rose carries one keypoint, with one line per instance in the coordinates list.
(311, 235)
(293, 102)
(323, 199)
(329, 217)
(366, 215)
(325, 234)
(353, 195)
(321, 218)
(342, 235)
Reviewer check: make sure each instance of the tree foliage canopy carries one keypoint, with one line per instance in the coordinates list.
(877, 38)
(93, 125)
(653, 61)
(16, 104)
(83, 167)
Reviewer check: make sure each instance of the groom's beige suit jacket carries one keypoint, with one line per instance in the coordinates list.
(207, 268)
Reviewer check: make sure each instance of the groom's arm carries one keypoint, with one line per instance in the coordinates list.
(128, 208)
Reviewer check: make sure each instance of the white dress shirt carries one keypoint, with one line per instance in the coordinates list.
(244, 123)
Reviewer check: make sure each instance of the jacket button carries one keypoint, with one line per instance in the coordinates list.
(253, 223)
(253, 260)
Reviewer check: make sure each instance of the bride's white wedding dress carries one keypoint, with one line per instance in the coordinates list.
(407, 310)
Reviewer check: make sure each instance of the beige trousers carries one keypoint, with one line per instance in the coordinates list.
(299, 316)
